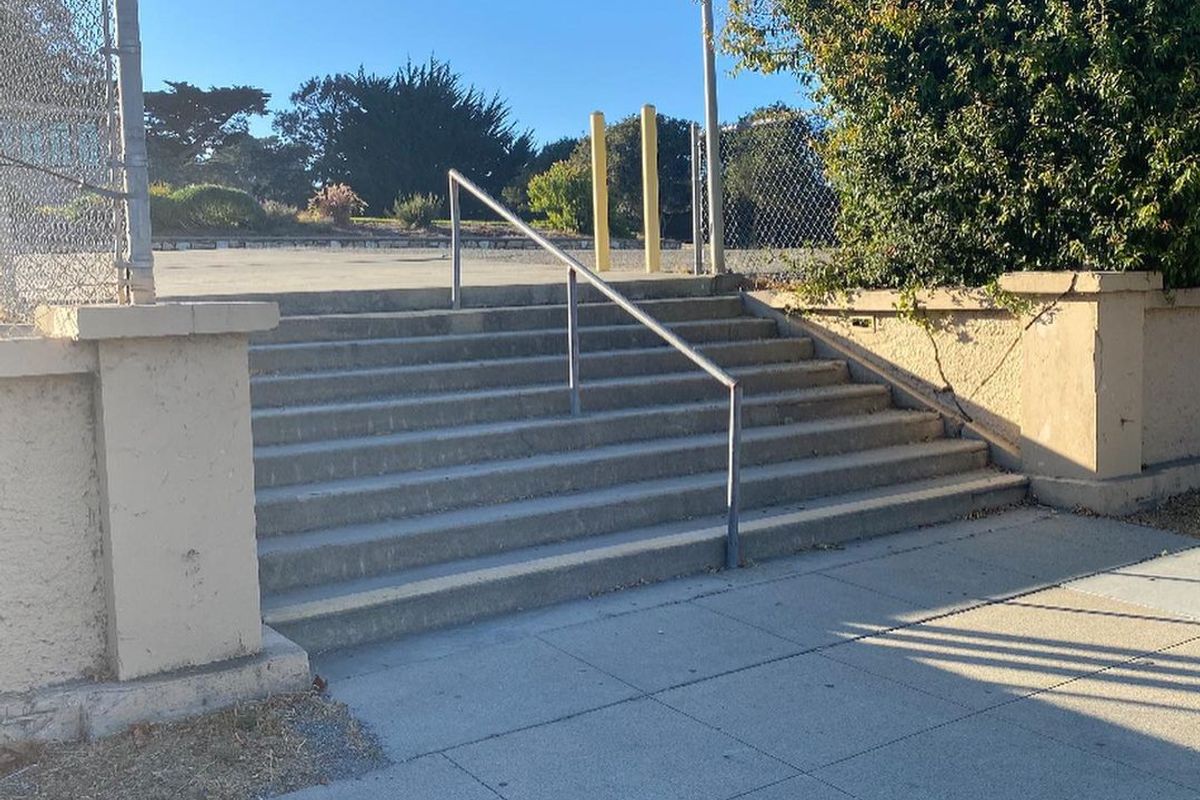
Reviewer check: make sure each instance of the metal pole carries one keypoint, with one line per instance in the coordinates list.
(712, 124)
(139, 270)
(733, 541)
(455, 247)
(650, 206)
(573, 338)
(600, 193)
(697, 203)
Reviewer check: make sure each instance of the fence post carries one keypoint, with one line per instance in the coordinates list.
(139, 278)
(697, 204)
(600, 193)
(716, 198)
(652, 225)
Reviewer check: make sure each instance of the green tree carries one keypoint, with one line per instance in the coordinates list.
(563, 194)
(185, 125)
(516, 193)
(268, 168)
(972, 137)
(398, 135)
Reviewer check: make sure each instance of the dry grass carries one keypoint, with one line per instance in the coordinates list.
(1180, 514)
(252, 751)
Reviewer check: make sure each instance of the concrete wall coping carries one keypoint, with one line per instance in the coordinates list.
(93, 323)
(1057, 283)
(37, 356)
(886, 301)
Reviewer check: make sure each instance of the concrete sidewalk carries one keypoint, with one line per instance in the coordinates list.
(966, 660)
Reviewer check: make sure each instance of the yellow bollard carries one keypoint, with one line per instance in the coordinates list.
(600, 193)
(650, 189)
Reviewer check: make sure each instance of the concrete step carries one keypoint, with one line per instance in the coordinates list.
(394, 325)
(449, 594)
(370, 301)
(356, 416)
(452, 348)
(338, 459)
(351, 552)
(294, 509)
(308, 387)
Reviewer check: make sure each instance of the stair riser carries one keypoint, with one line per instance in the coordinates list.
(276, 392)
(450, 349)
(536, 402)
(376, 301)
(556, 583)
(316, 566)
(293, 516)
(367, 459)
(451, 323)
(323, 425)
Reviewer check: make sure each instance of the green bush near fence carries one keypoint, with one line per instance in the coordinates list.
(205, 207)
(974, 137)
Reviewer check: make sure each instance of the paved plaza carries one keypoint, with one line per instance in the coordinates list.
(1031, 654)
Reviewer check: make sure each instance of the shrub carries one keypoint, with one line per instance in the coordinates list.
(564, 194)
(337, 202)
(209, 207)
(972, 138)
(417, 211)
(166, 215)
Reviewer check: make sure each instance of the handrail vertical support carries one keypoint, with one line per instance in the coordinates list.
(573, 339)
(455, 246)
(733, 543)
(697, 204)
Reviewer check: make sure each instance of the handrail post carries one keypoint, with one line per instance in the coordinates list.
(697, 203)
(455, 246)
(573, 339)
(733, 542)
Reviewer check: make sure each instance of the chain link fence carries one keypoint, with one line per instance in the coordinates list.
(60, 177)
(779, 206)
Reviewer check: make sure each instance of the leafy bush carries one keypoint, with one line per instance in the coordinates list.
(219, 208)
(564, 194)
(337, 202)
(417, 211)
(166, 215)
(970, 138)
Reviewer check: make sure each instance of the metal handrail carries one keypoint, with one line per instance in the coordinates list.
(733, 548)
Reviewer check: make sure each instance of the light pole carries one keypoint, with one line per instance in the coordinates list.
(712, 125)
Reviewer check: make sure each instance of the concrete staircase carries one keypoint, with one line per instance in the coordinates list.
(417, 469)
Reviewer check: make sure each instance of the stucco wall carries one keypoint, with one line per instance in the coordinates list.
(52, 596)
(1171, 429)
(975, 348)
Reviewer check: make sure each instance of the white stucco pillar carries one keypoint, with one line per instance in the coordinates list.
(176, 473)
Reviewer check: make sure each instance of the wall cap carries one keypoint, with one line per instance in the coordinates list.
(1057, 283)
(36, 356)
(886, 301)
(94, 323)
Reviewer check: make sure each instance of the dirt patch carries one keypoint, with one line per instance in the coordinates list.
(251, 751)
(1180, 514)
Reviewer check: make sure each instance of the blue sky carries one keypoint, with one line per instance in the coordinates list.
(555, 60)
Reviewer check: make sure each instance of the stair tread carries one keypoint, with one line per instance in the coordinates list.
(516, 427)
(814, 365)
(433, 312)
(364, 593)
(330, 344)
(571, 458)
(597, 498)
(553, 358)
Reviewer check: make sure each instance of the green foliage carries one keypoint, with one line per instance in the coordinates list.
(397, 135)
(516, 194)
(563, 194)
(186, 124)
(969, 138)
(417, 211)
(268, 168)
(337, 202)
(206, 207)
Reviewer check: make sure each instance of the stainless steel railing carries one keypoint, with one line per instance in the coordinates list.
(733, 546)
